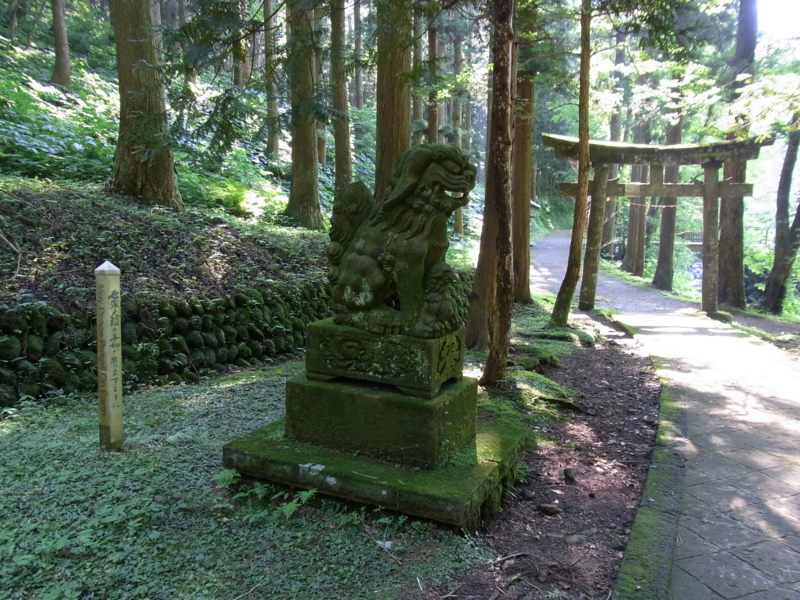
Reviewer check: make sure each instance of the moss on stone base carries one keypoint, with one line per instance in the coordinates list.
(469, 485)
(379, 422)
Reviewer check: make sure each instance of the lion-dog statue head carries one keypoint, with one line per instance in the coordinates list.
(387, 259)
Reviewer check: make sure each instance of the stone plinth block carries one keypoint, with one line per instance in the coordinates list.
(469, 485)
(418, 366)
(380, 422)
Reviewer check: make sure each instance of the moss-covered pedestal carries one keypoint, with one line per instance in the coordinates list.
(386, 420)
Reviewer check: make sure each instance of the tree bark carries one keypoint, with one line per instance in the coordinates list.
(143, 162)
(358, 85)
(303, 205)
(523, 171)
(731, 239)
(271, 77)
(500, 134)
(319, 84)
(416, 100)
(665, 269)
(787, 239)
(393, 121)
(563, 302)
(341, 124)
(615, 135)
(61, 67)
(637, 217)
(458, 59)
(594, 238)
(433, 105)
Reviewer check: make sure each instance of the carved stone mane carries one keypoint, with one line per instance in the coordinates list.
(387, 260)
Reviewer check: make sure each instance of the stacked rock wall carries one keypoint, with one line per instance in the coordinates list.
(43, 350)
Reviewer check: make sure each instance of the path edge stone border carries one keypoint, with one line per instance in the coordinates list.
(647, 564)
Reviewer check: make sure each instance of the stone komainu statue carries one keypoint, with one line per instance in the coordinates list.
(387, 259)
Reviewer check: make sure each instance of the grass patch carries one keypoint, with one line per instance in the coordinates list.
(154, 522)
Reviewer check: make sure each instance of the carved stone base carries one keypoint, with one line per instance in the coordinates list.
(374, 420)
(418, 366)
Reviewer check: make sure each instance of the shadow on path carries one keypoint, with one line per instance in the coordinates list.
(722, 517)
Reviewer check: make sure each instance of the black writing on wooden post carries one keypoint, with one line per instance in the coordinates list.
(109, 356)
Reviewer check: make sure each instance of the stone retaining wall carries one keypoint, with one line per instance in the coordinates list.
(43, 350)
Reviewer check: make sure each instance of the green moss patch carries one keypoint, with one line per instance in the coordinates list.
(457, 493)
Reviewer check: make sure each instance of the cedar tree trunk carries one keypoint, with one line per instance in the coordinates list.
(61, 67)
(500, 135)
(594, 238)
(523, 171)
(143, 162)
(341, 124)
(563, 302)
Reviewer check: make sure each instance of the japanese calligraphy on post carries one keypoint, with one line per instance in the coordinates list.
(109, 356)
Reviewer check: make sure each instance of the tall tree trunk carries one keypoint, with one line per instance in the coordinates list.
(319, 84)
(594, 238)
(190, 76)
(665, 269)
(433, 105)
(787, 239)
(358, 82)
(481, 299)
(143, 162)
(393, 121)
(239, 50)
(731, 217)
(441, 108)
(521, 212)
(341, 124)
(271, 77)
(563, 302)
(500, 135)
(708, 301)
(637, 218)
(615, 135)
(303, 205)
(35, 24)
(12, 21)
(416, 100)
(458, 59)
(61, 67)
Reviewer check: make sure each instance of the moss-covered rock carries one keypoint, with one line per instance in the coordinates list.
(280, 344)
(180, 361)
(89, 359)
(297, 324)
(7, 395)
(256, 348)
(299, 340)
(254, 333)
(129, 333)
(266, 313)
(183, 309)
(210, 340)
(13, 321)
(88, 381)
(196, 306)
(240, 362)
(210, 357)
(179, 344)
(269, 348)
(37, 321)
(222, 354)
(180, 326)
(130, 310)
(130, 352)
(54, 343)
(230, 334)
(230, 317)
(190, 376)
(244, 352)
(34, 390)
(196, 323)
(8, 377)
(241, 334)
(52, 372)
(220, 335)
(34, 347)
(198, 358)
(194, 340)
(54, 320)
(164, 325)
(25, 370)
(10, 348)
(166, 310)
(233, 352)
(173, 377)
(219, 368)
(70, 361)
(73, 383)
(146, 369)
(243, 316)
(164, 366)
(208, 322)
(241, 299)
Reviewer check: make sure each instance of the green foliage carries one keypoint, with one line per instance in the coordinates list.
(46, 131)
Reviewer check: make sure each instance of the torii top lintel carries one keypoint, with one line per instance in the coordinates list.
(643, 154)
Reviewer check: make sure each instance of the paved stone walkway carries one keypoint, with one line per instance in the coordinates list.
(738, 533)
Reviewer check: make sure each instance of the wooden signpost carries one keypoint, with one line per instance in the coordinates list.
(109, 356)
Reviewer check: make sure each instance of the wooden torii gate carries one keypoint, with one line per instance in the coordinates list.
(711, 189)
